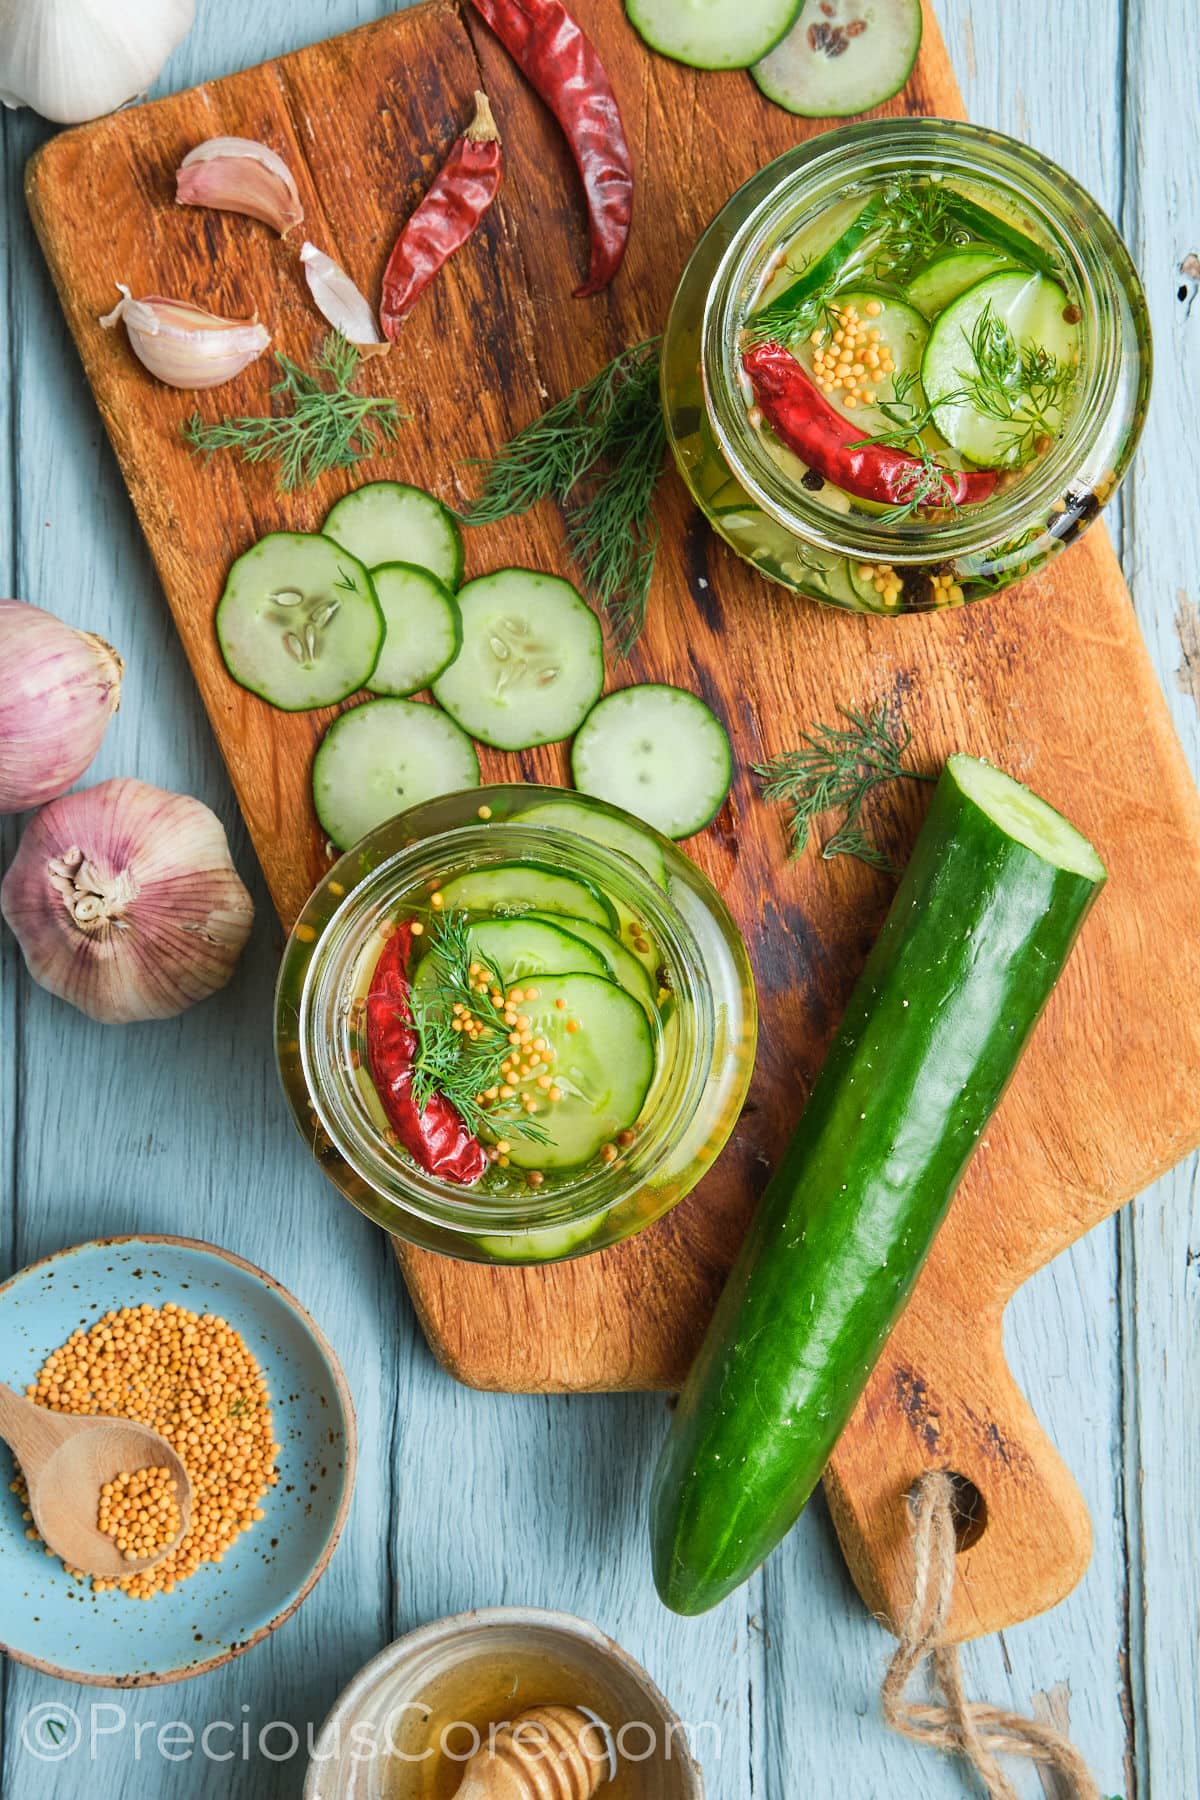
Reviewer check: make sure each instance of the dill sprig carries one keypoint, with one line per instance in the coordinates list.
(837, 767)
(598, 452)
(1022, 386)
(457, 1064)
(325, 427)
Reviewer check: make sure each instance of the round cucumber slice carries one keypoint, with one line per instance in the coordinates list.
(381, 758)
(388, 521)
(423, 631)
(1025, 313)
(712, 34)
(531, 664)
(510, 889)
(568, 815)
(298, 623)
(520, 948)
(551, 1245)
(842, 57)
(602, 1063)
(946, 277)
(620, 964)
(902, 330)
(658, 752)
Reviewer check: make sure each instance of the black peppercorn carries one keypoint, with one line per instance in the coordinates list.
(812, 480)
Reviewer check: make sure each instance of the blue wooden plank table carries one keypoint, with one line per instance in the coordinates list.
(466, 1499)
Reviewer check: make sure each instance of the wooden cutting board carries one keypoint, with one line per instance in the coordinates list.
(1051, 681)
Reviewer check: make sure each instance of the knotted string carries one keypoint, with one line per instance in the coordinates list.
(976, 1732)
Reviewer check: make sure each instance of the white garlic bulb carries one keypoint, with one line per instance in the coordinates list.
(125, 901)
(72, 60)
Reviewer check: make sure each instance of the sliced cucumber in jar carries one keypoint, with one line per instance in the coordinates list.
(298, 623)
(551, 1245)
(712, 34)
(511, 889)
(996, 413)
(659, 753)
(532, 660)
(379, 759)
(422, 633)
(519, 949)
(601, 1061)
(599, 828)
(903, 333)
(842, 57)
(948, 276)
(388, 522)
(620, 964)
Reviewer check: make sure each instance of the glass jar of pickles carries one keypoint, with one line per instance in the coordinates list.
(907, 364)
(515, 1025)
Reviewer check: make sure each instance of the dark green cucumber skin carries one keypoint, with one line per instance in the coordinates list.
(975, 939)
(820, 273)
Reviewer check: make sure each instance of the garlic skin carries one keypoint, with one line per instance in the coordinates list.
(72, 60)
(182, 344)
(340, 302)
(125, 901)
(240, 175)
(60, 688)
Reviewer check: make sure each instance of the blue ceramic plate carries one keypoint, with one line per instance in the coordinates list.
(58, 1624)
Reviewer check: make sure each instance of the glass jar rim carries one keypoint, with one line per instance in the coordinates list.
(329, 1075)
(1063, 210)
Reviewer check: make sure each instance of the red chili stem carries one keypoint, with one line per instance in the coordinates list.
(462, 191)
(565, 69)
(436, 1139)
(826, 440)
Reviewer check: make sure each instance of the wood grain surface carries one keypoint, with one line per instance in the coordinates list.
(1052, 681)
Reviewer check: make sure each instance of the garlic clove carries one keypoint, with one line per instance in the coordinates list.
(72, 60)
(338, 300)
(60, 689)
(125, 901)
(240, 175)
(182, 344)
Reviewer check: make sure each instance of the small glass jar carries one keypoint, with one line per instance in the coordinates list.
(766, 511)
(705, 1051)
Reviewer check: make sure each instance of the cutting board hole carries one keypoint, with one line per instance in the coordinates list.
(970, 1511)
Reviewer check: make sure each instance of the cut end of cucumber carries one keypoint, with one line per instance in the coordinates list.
(1025, 817)
(842, 57)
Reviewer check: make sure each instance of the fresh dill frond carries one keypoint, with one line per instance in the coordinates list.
(326, 426)
(918, 222)
(1021, 386)
(456, 1063)
(836, 768)
(599, 454)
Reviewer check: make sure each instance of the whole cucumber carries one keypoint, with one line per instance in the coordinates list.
(981, 925)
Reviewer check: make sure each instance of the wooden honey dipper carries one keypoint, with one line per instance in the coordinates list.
(547, 1753)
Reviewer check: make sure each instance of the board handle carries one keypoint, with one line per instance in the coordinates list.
(942, 1397)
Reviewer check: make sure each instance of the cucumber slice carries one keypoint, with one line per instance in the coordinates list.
(981, 222)
(423, 630)
(658, 752)
(531, 664)
(603, 1068)
(518, 948)
(712, 34)
(546, 1246)
(510, 889)
(819, 275)
(1031, 308)
(905, 332)
(388, 521)
(620, 964)
(379, 759)
(946, 277)
(568, 815)
(298, 623)
(842, 57)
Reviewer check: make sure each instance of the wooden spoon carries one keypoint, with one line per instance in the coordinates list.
(548, 1753)
(66, 1460)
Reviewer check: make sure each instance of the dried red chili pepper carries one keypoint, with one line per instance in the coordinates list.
(823, 438)
(462, 191)
(564, 67)
(436, 1139)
